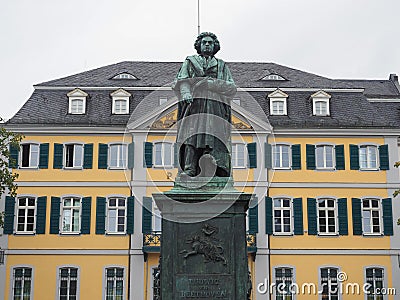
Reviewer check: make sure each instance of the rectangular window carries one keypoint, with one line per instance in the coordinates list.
(238, 155)
(73, 156)
(71, 209)
(371, 216)
(22, 283)
(281, 156)
(327, 216)
(118, 156)
(116, 215)
(368, 157)
(163, 154)
(26, 215)
(120, 106)
(282, 216)
(324, 157)
(284, 283)
(236, 100)
(115, 284)
(329, 284)
(157, 219)
(29, 155)
(278, 107)
(77, 106)
(374, 278)
(68, 285)
(163, 100)
(321, 107)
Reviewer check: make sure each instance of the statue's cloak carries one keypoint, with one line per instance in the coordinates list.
(206, 122)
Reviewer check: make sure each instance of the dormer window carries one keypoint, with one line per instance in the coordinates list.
(273, 77)
(124, 76)
(77, 102)
(278, 103)
(321, 103)
(120, 102)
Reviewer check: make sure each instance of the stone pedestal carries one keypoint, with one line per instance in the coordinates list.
(203, 247)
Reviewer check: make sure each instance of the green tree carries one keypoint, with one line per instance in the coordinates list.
(7, 178)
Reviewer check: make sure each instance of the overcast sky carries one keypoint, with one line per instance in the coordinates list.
(43, 40)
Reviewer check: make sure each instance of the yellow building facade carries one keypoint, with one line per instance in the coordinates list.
(318, 157)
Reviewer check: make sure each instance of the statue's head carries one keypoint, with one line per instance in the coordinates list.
(207, 44)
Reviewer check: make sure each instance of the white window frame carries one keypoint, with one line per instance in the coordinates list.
(273, 77)
(322, 97)
(120, 95)
(274, 153)
(25, 208)
(367, 147)
(236, 100)
(384, 283)
(325, 167)
(71, 208)
(235, 165)
(326, 209)
(278, 96)
(31, 156)
(77, 94)
(119, 156)
(69, 280)
(74, 155)
(330, 280)
(117, 207)
(371, 210)
(163, 154)
(157, 220)
(162, 100)
(124, 76)
(281, 209)
(293, 282)
(12, 285)
(114, 279)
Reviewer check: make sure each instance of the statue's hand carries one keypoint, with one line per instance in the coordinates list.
(187, 97)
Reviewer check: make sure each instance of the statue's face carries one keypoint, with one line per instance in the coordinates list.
(207, 46)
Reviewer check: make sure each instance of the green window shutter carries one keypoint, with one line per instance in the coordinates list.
(100, 215)
(88, 156)
(103, 156)
(269, 229)
(354, 157)
(147, 215)
(387, 216)
(252, 153)
(296, 157)
(339, 153)
(342, 214)
(131, 155)
(312, 216)
(58, 156)
(298, 216)
(384, 157)
(9, 215)
(253, 216)
(268, 155)
(130, 215)
(310, 157)
(44, 156)
(41, 215)
(55, 215)
(357, 217)
(14, 153)
(176, 156)
(148, 154)
(86, 211)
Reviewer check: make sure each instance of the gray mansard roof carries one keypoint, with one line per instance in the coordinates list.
(350, 103)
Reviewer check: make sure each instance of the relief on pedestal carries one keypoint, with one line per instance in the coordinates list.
(206, 244)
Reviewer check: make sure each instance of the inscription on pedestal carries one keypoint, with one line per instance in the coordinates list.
(207, 286)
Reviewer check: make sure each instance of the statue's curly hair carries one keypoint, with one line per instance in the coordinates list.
(197, 43)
